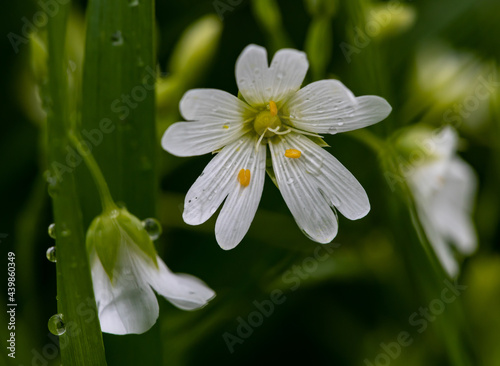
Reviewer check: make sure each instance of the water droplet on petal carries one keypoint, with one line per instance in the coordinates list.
(52, 230)
(332, 130)
(56, 325)
(51, 254)
(315, 165)
(340, 124)
(289, 181)
(152, 227)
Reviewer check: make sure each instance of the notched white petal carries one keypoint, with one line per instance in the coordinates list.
(327, 106)
(315, 183)
(260, 83)
(214, 183)
(183, 290)
(217, 118)
(340, 188)
(199, 138)
(302, 196)
(241, 205)
(213, 105)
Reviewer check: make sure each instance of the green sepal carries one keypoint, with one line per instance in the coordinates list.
(113, 228)
(318, 141)
(133, 227)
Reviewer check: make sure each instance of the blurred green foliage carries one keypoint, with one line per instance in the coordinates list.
(426, 58)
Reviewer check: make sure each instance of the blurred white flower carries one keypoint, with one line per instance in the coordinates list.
(125, 270)
(272, 112)
(444, 187)
(457, 85)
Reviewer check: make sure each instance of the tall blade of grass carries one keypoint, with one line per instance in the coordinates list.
(81, 344)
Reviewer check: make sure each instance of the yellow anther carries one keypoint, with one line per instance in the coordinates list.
(273, 108)
(225, 127)
(244, 177)
(292, 153)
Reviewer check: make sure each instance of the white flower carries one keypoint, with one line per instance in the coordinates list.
(444, 186)
(125, 269)
(274, 113)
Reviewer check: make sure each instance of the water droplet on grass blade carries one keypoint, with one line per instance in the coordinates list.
(52, 230)
(117, 38)
(56, 325)
(152, 227)
(51, 254)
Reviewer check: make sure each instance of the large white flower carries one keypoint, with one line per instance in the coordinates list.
(125, 269)
(444, 187)
(272, 112)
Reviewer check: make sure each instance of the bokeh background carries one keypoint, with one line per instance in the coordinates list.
(424, 58)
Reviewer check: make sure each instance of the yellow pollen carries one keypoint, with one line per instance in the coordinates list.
(225, 126)
(292, 153)
(244, 177)
(273, 108)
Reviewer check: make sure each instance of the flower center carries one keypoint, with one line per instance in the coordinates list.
(267, 120)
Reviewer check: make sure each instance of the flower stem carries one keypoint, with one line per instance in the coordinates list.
(369, 139)
(102, 187)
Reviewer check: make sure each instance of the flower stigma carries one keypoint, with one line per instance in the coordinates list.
(244, 177)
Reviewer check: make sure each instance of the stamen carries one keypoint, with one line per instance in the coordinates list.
(260, 139)
(277, 132)
(244, 177)
(273, 108)
(304, 132)
(292, 153)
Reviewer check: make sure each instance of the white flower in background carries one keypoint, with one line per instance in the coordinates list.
(457, 85)
(125, 270)
(444, 187)
(273, 113)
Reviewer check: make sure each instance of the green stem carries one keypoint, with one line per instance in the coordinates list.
(427, 269)
(102, 187)
(369, 139)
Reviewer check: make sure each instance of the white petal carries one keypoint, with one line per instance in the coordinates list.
(438, 242)
(184, 291)
(445, 142)
(300, 192)
(239, 209)
(215, 183)
(217, 119)
(259, 83)
(339, 187)
(128, 305)
(327, 106)
(452, 206)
